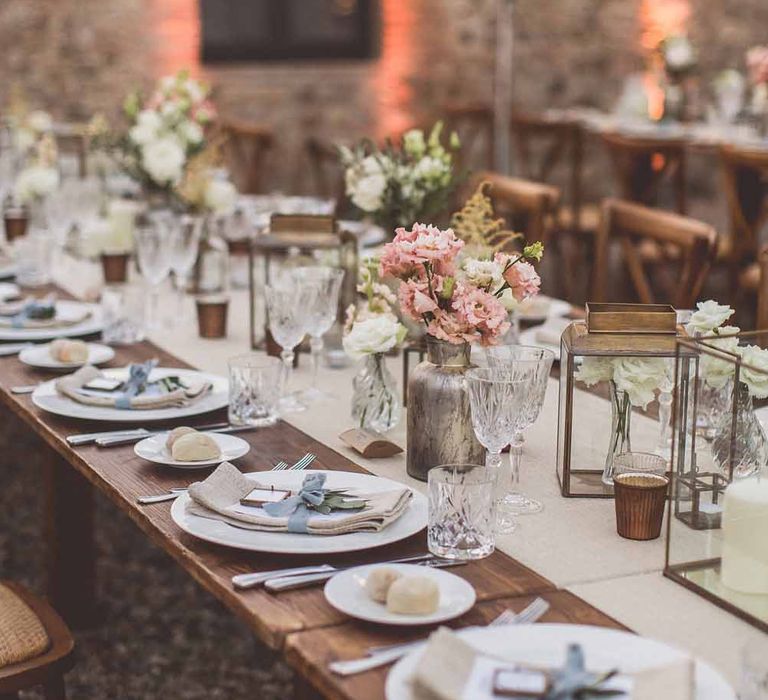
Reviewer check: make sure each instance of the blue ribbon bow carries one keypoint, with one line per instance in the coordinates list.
(33, 309)
(138, 375)
(574, 681)
(295, 507)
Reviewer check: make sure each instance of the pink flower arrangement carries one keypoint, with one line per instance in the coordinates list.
(455, 310)
(757, 64)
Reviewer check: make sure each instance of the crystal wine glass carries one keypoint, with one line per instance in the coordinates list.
(323, 308)
(533, 365)
(154, 258)
(287, 313)
(185, 237)
(496, 397)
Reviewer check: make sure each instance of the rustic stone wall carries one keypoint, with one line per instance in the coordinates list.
(77, 56)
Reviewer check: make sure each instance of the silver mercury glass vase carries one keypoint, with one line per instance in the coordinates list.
(439, 417)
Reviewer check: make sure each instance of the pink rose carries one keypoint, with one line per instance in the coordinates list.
(449, 327)
(415, 300)
(523, 280)
(481, 311)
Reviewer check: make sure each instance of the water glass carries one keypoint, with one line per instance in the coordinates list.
(34, 258)
(255, 386)
(186, 232)
(153, 253)
(124, 314)
(462, 511)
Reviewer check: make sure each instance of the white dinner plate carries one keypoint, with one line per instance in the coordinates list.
(47, 398)
(537, 314)
(65, 309)
(40, 356)
(413, 520)
(8, 290)
(346, 592)
(153, 449)
(544, 645)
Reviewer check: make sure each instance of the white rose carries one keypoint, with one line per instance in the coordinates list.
(36, 181)
(429, 168)
(368, 192)
(708, 316)
(148, 124)
(594, 370)
(756, 379)
(715, 371)
(191, 132)
(414, 142)
(40, 121)
(220, 196)
(163, 160)
(373, 335)
(639, 377)
(483, 273)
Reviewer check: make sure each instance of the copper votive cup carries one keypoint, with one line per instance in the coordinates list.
(640, 489)
(115, 267)
(212, 317)
(15, 224)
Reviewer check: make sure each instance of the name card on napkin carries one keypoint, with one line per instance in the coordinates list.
(369, 443)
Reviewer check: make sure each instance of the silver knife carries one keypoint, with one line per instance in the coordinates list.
(244, 581)
(116, 440)
(290, 583)
(85, 438)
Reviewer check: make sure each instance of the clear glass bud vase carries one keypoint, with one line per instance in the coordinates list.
(621, 423)
(375, 403)
(740, 440)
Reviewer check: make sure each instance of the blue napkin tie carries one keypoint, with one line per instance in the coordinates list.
(295, 507)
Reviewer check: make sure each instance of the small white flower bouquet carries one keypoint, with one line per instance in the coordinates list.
(40, 177)
(403, 183)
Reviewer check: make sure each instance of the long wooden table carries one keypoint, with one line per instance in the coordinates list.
(300, 622)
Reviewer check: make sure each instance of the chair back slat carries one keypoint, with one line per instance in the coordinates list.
(685, 242)
(761, 322)
(245, 148)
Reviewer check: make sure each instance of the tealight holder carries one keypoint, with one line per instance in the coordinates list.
(212, 316)
(115, 267)
(16, 222)
(717, 529)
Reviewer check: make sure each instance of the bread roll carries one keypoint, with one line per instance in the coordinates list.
(70, 351)
(176, 433)
(378, 582)
(195, 447)
(413, 595)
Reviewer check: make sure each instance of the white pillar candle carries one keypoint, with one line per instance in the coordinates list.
(122, 219)
(745, 536)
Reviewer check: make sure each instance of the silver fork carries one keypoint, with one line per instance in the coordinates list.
(174, 493)
(381, 656)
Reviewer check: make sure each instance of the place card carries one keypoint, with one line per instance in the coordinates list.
(260, 496)
(369, 443)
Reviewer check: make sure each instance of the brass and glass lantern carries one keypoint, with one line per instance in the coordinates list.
(616, 388)
(717, 536)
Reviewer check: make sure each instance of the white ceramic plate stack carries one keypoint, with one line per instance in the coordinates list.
(545, 645)
(65, 310)
(40, 356)
(346, 592)
(154, 449)
(409, 523)
(47, 398)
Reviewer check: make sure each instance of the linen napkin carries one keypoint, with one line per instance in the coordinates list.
(218, 497)
(451, 669)
(20, 314)
(153, 397)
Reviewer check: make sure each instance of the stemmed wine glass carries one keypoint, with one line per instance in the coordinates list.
(287, 313)
(496, 397)
(532, 364)
(184, 245)
(154, 258)
(325, 283)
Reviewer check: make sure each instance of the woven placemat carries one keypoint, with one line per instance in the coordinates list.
(22, 635)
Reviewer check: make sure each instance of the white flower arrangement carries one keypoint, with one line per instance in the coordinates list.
(373, 336)
(41, 177)
(398, 185)
(639, 377)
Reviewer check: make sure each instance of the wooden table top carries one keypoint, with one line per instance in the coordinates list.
(315, 632)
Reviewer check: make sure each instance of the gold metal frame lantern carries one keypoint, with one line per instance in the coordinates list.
(587, 423)
(717, 529)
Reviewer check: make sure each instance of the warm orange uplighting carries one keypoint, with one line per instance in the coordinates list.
(176, 28)
(659, 19)
(395, 66)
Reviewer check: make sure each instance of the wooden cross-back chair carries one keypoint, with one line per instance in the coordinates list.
(634, 224)
(528, 207)
(246, 147)
(745, 176)
(644, 166)
(75, 143)
(755, 279)
(325, 169)
(544, 146)
(474, 126)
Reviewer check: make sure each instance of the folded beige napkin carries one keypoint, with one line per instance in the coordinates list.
(8, 319)
(219, 497)
(444, 667)
(71, 386)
